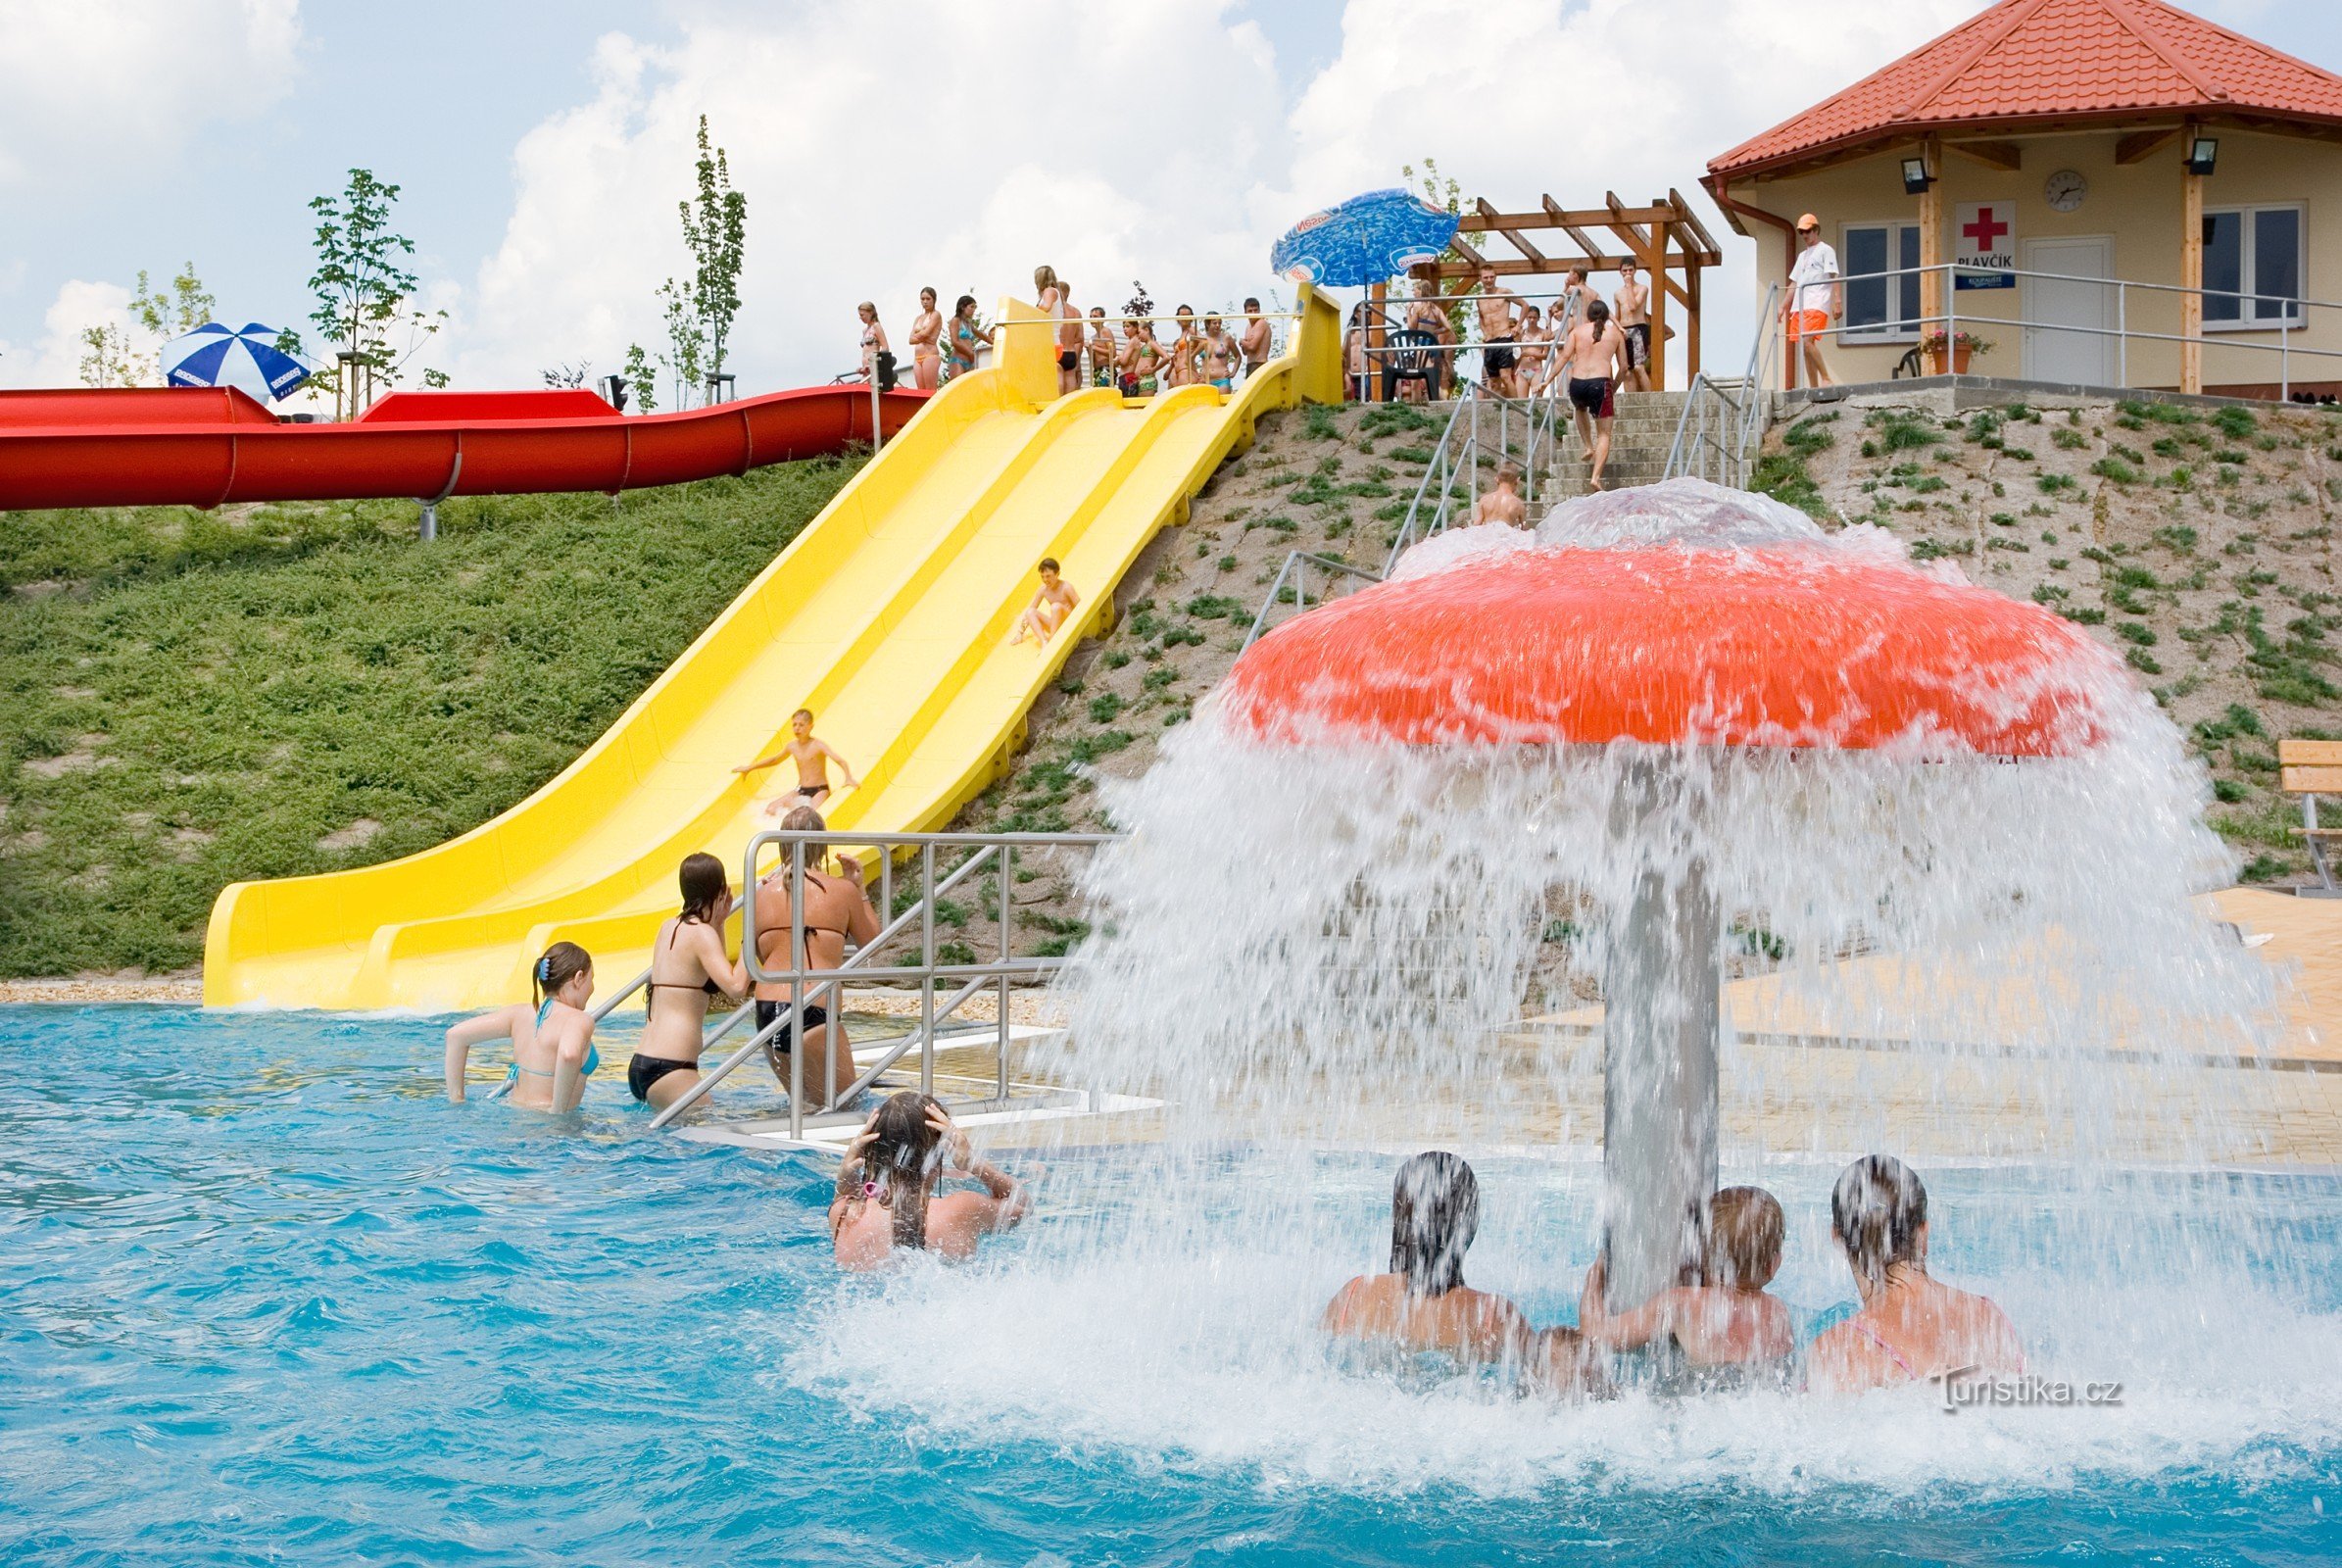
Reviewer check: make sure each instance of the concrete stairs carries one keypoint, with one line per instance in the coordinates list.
(1645, 427)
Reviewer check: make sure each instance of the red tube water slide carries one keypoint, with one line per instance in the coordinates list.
(208, 446)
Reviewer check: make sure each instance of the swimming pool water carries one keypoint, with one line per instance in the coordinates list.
(268, 1299)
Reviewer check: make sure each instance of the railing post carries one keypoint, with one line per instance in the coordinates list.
(796, 992)
(1951, 319)
(2121, 334)
(927, 963)
(1007, 911)
(2285, 358)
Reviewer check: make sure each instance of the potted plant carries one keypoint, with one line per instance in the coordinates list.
(1962, 347)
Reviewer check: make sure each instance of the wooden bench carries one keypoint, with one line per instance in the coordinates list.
(2309, 769)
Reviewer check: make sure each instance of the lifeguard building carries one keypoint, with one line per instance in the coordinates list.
(2102, 192)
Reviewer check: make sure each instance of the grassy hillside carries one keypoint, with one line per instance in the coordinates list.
(2198, 543)
(191, 698)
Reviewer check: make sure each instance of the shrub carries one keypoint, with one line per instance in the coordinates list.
(2055, 483)
(1104, 706)
(2235, 422)
(2117, 469)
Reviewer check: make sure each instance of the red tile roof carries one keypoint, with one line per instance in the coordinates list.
(2034, 60)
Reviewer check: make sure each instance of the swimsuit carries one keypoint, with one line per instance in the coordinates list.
(1592, 396)
(593, 1061)
(1872, 1335)
(1496, 356)
(643, 1071)
(808, 791)
(1639, 345)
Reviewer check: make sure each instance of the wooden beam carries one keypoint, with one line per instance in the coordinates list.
(1511, 235)
(1470, 255)
(2006, 156)
(1692, 278)
(2136, 146)
(1557, 216)
(1628, 224)
(1551, 267)
(2191, 276)
(1690, 220)
(1655, 279)
(1931, 295)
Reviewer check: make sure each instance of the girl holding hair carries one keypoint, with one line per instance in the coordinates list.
(688, 966)
(886, 1200)
(552, 1036)
(965, 335)
(926, 360)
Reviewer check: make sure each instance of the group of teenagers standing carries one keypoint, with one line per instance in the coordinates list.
(1124, 353)
(1594, 348)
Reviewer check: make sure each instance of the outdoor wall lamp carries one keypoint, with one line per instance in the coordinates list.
(1916, 178)
(2202, 153)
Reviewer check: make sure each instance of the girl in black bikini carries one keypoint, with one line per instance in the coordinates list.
(688, 964)
(836, 907)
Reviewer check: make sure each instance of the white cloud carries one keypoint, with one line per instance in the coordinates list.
(1138, 140)
(1145, 139)
(56, 359)
(85, 87)
(1633, 96)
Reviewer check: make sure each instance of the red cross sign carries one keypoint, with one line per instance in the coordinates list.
(1985, 245)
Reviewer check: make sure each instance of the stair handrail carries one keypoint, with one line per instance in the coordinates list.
(1722, 424)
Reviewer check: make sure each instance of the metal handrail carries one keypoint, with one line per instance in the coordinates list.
(2239, 334)
(1720, 423)
(810, 986)
(1297, 567)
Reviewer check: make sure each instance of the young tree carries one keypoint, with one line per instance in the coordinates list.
(642, 378)
(687, 341)
(108, 359)
(565, 377)
(363, 290)
(1440, 190)
(698, 311)
(169, 314)
(716, 228)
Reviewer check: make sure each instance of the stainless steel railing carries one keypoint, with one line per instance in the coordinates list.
(808, 985)
(1722, 424)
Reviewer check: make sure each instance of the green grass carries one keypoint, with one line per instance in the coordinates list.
(210, 697)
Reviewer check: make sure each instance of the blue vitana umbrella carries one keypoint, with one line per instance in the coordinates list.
(214, 355)
(1364, 240)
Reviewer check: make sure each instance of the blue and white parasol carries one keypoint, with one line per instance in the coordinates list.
(1365, 240)
(249, 359)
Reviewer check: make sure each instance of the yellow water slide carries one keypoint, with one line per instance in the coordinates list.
(888, 617)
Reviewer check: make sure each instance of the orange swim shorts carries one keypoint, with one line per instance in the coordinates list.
(1808, 324)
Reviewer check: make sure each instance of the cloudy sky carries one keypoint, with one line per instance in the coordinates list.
(542, 146)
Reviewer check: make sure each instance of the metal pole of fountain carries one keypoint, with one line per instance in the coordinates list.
(1662, 977)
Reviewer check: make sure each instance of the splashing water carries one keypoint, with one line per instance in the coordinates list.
(1363, 946)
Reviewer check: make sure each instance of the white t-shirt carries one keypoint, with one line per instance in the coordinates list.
(1813, 272)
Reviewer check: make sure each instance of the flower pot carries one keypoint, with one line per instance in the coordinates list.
(1959, 356)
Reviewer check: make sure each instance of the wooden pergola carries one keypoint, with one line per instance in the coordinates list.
(1664, 237)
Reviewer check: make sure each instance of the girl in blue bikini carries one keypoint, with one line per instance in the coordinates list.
(552, 1038)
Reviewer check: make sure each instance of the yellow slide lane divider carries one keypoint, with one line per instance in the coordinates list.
(889, 616)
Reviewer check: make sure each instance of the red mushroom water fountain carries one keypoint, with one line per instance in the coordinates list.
(1749, 629)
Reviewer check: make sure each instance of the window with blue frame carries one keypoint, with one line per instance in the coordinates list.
(1880, 308)
(2253, 266)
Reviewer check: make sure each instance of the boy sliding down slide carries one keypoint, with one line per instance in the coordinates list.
(812, 759)
(1053, 601)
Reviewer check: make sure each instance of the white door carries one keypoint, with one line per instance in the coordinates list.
(2087, 358)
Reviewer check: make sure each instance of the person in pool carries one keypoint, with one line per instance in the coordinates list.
(886, 1202)
(552, 1035)
(1725, 1321)
(1423, 1303)
(1910, 1326)
(688, 966)
(836, 907)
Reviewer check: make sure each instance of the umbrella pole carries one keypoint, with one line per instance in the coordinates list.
(1663, 973)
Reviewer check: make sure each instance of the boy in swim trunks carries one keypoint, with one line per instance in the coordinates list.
(1051, 603)
(812, 759)
(1592, 352)
(1632, 309)
(1103, 352)
(1496, 335)
(1256, 341)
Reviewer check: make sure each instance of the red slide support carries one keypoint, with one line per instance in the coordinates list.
(207, 446)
